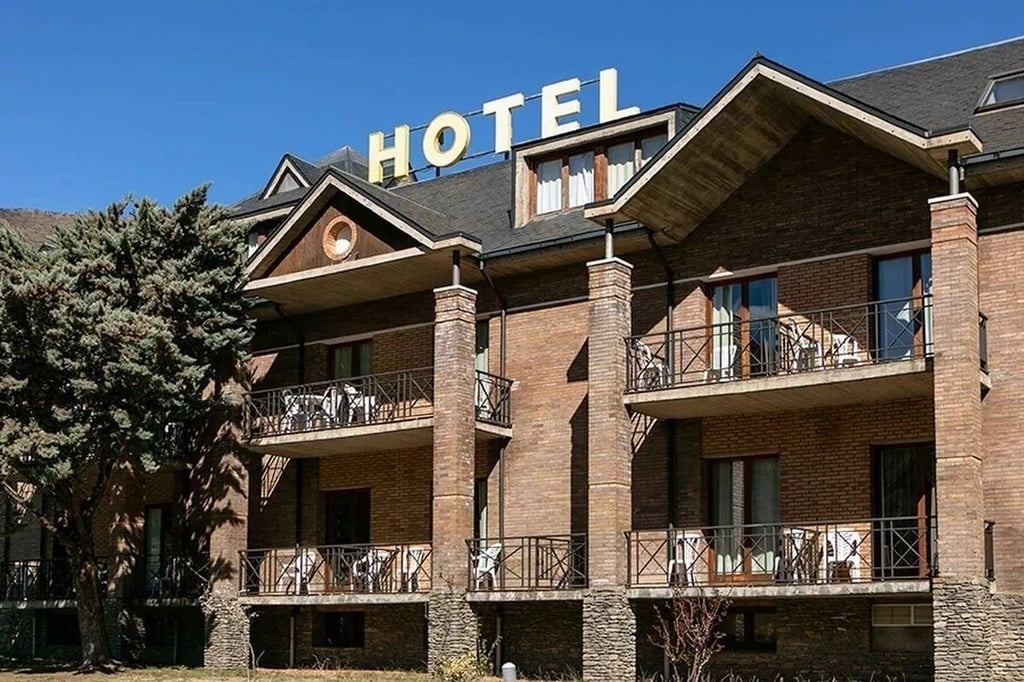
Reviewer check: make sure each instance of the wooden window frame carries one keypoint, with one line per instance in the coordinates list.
(748, 643)
(709, 315)
(356, 345)
(599, 150)
(916, 293)
(924, 513)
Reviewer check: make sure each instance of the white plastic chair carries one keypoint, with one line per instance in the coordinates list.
(723, 360)
(845, 350)
(802, 349)
(297, 572)
(359, 403)
(412, 563)
(840, 547)
(790, 562)
(684, 557)
(487, 565)
(372, 567)
(650, 371)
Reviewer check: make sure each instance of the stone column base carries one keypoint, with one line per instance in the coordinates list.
(609, 636)
(227, 632)
(962, 629)
(452, 628)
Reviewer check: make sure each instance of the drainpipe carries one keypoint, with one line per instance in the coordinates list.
(670, 446)
(291, 639)
(609, 239)
(954, 172)
(497, 640)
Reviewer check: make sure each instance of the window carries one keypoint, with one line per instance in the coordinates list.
(744, 329)
(901, 627)
(347, 517)
(340, 629)
(904, 483)
(62, 628)
(350, 360)
(480, 508)
(903, 287)
(744, 510)
(1003, 91)
(549, 186)
(586, 175)
(750, 629)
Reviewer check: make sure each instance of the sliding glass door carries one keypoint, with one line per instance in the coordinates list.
(903, 285)
(743, 333)
(904, 500)
(744, 509)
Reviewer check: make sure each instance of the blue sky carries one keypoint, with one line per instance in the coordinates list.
(101, 99)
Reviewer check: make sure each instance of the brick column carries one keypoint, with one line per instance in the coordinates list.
(452, 623)
(609, 625)
(220, 497)
(961, 635)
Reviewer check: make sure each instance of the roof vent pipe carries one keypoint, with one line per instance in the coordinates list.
(954, 172)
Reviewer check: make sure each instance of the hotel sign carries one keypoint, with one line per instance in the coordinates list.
(447, 137)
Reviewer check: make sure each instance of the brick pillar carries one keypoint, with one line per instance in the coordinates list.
(960, 594)
(609, 625)
(452, 623)
(222, 493)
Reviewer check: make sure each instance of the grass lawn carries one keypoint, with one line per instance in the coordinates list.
(13, 674)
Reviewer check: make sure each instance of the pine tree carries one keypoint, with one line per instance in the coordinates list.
(116, 343)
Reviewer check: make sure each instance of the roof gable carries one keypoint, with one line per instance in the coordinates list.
(748, 122)
(287, 177)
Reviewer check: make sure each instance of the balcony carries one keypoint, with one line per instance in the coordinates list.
(170, 578)
(383, 411)
(872, 556)
(39, 580)
(335, 574)
(545, 566)
(834, 356)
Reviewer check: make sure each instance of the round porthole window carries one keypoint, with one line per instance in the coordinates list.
(339, 238)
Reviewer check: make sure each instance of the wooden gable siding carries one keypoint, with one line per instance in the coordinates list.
(375, 237)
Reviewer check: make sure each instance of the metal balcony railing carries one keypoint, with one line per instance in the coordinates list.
(335, 569)
(847, 336)
(372, 399)
(38, 579)
(493, 399)
(170, 577)
(820, 553)
(541, 562)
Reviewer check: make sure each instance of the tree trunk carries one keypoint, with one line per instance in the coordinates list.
(91, 620)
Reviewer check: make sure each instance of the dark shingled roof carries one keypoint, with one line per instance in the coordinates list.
(944, 92)
(935, 94)
(36, 226)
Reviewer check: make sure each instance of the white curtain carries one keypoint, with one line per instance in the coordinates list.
(649, 147)
(581, 179)
(549, 186)
(764, 509)
(620, 166)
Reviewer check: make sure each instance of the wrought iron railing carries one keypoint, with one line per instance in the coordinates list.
(784, 554)
(372, 399)
(847, 336)
(38, 579)
(170, 577)
(335, 569)
(541, 562)
(983, 341)
(493, 399)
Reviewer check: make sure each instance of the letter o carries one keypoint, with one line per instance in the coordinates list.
(432, 151)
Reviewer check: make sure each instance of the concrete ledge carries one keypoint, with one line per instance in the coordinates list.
(799, 390)
(485, 431)
(786, 591)
(393, 435)
(525, 595)
(334, 599)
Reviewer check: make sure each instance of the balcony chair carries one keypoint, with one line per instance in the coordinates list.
(682, 568)
(802, 349)
(412, 564)
(487, 565)
(300, 409)
(650, 372)
(840, 555)
(372, 568)
(793, 561)
(845, 350)
(359, 403)
(723, 362)
(297, 573)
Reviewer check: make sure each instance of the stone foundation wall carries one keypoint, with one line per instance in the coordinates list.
(1006, 620)
(227, 631)
(452, 627)
(609, 636)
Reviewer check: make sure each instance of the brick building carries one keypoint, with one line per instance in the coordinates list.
(759, 349)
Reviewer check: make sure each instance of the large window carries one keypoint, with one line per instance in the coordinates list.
(340, 629)
(349, 360)
(743, 336)
(901, 627)
(750, 628)
(744, 510)
(585, 175)
(903, 287)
